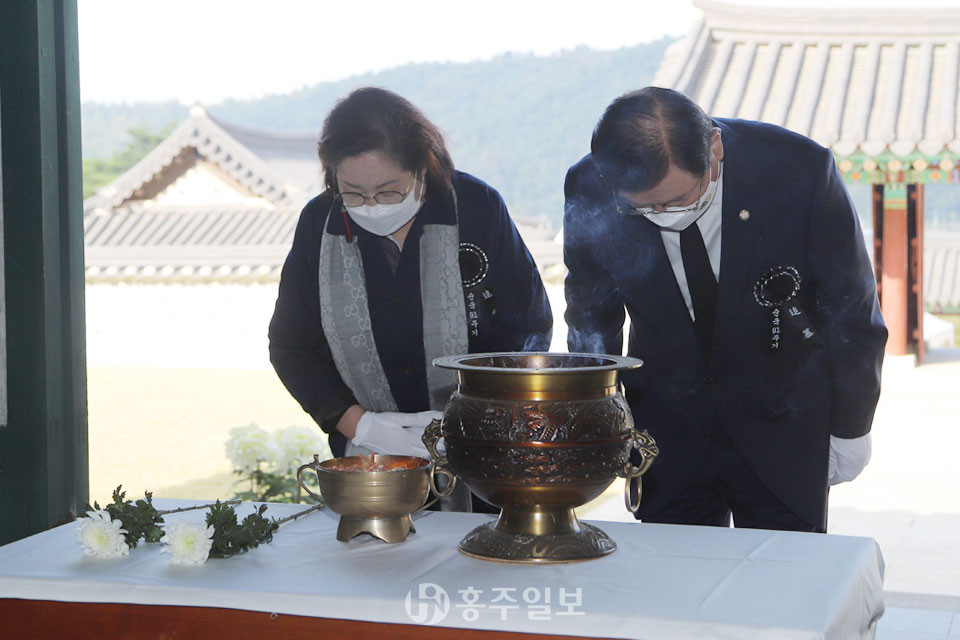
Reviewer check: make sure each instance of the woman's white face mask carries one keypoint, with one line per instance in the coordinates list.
(384, 219)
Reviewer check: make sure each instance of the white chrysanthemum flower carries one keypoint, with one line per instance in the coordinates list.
(247, 446)
(189, 542)
(294, 446)
(101, 536)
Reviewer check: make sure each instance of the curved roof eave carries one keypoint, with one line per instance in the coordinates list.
(213, 143)
(850, 79)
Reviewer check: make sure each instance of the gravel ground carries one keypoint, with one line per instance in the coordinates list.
(916, 439)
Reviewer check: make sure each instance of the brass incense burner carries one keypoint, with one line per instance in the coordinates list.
(539, 434)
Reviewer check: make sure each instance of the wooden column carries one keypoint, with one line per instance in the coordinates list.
(3, 296)
(915, 270)
(894, 302)
(43, 448)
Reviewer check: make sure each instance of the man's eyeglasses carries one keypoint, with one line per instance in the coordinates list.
(703, 200)
(354, 199)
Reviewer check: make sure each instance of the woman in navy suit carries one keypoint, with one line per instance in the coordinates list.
(400, 260)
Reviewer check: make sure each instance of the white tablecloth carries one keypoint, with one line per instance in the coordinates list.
(662, 582)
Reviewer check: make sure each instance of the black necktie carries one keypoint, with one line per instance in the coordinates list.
(702, 285)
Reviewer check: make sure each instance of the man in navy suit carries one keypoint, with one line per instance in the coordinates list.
(737, 253)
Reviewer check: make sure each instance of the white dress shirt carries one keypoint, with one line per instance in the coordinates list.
(709, 223)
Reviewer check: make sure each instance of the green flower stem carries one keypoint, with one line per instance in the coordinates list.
(315, 507)
(199, 506)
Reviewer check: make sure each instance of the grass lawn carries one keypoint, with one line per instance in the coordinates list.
(164, 430)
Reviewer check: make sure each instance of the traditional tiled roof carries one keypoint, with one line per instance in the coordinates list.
(291, 155)
(188, 243)
(278, 169)
(132, 232)
(872, 80)
(216, 202)
(941, 275)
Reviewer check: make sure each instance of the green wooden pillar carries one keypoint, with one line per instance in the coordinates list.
(43, 448)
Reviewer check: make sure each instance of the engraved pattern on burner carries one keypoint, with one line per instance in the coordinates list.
(487, 541)
(532, 421)
(496, 462)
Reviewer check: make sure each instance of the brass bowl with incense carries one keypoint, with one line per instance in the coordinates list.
(375, 494)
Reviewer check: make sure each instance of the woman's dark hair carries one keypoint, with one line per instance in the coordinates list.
(643, 131)
(374, 119)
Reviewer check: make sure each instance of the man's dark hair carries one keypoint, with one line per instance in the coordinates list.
(643, 131)
(374, 119)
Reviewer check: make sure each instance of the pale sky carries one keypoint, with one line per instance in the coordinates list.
(208, 50)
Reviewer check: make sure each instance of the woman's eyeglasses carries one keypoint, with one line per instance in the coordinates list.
(354, 199)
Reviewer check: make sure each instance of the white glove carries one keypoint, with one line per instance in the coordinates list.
(393, 433)
(848, 457)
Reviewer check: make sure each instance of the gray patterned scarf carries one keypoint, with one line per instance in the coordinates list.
(345, 315)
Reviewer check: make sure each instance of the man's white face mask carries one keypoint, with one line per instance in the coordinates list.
(384, 219)
(679, 218)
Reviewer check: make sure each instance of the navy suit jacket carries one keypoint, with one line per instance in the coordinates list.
(778, 408)
(515, 317)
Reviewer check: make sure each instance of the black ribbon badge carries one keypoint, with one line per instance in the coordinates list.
(776, 289)
(474, 267)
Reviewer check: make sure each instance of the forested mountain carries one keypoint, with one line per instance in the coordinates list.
(515, 121)
(105, 128)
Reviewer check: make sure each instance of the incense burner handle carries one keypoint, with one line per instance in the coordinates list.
(315, 465)
(646, 446)
(438, 464)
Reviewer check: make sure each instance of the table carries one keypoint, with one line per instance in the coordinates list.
(664, 581)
